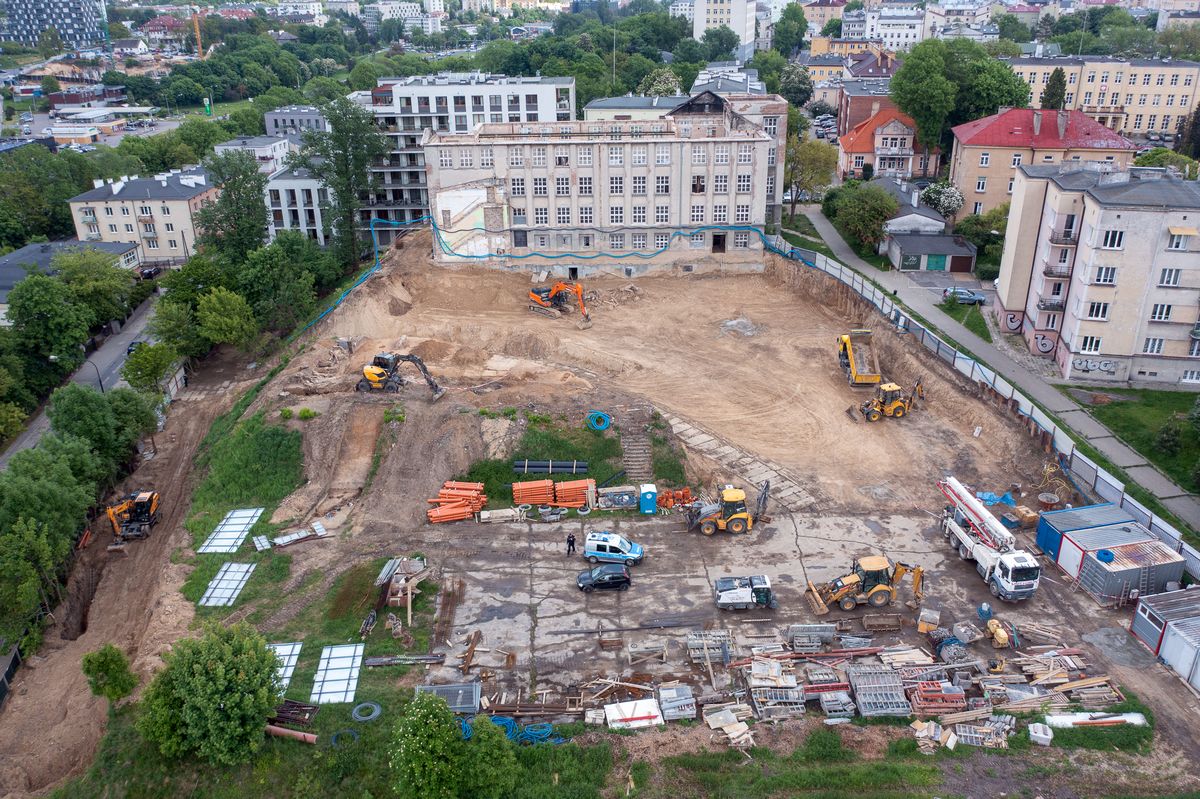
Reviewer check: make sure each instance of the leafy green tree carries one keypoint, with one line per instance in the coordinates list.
(1002, 48)
(182, 90)
(821, 107)
(48, 321)
(214, 696)
(134, 416)
(149, 366)
(247, 121)
(1169, 438)
(200, 136)
(489, 764)
(689, 51)
(300, 249)
(808, 167)
(364, 76)
(861, 214)
(989, 85)
(341, 158)
(1012, 28)
(40, 488)
(50, 85)
(867, 171)
(1054, 95)
(323, 88)
(921, 89)
(192, 280)
(96, 283)
(428, 750)
(174, 324)
(108, 673)
(769, 64)
(986, 231)
(12, 420)
(224, 317)
(661, 82)
(1162, 157)
(117, 30)
(27, 581)
(832, 29)
(84, 412)
(795, 84)
(85, 465)
(233, 224)
(1189, 135)
(790, 30)
(280, 293)
(1180, 42)
(719, 43)
(49, 42)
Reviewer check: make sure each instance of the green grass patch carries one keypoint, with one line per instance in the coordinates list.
(805, 243)
(1138, 419)
(1125, 738)
(969, 316)
(802, 225)
(667, 461)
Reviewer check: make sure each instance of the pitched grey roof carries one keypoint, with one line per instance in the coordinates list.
(152, 188)
(638, 102)
(1139, 186)
(15, 266)
(904, 197)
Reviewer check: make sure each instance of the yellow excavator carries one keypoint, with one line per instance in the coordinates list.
(873, 580)
(890, 400)
(730, 515)
(554, 301)
(383, 374)
(132, 518)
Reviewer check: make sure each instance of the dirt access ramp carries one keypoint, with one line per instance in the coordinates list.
(51, 724)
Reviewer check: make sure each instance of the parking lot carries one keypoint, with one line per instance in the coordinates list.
(41, 121)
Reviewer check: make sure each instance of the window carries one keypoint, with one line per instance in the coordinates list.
(1113, 239)
(563, 215)
(721, 154)
(1194, 348)
(1063, 257)
(1010, 184)
(771, 157)
(639, 185)
(985, 159)
(562, 156)
(662, 184)
(662, 213)
(129, 228)
(516, 157)
(720, 214)
(585, 156)
(699, 154)
(771, 188)
(977, 208)
(741, 240)
(743, 183)
(742, 213)
(109, 211)
(1097, 311)
(616, 241)
(539, 187)
(639, 155)
(616, 156)
(1152, 346)
(1137, 122)
(745, 153)
(541, 216)
(721, 184)
(696, 240)
(466, 160)
(585, 215)
(486, 158)
(539, 156)
(562, 187)
(146, 227)
(638, 216)
(1169, 277)
(698, 184)
(124, 210)
(1177, 242)
(662, 154)
(170, 226)
(1191, 375)
(1016, 159)
(663, 240)
(981, 184)
(616, 184)
(771, 125)
(1159, 80)
(112, 228)
(698, 214)
(1106, 275)
(152, 244)
(1089, 344)
(145, 210)
(616, 214)
(585, 186)
(1091, 78)
(638, 240)
(444, 158)
(859, 160)
(1160, 312)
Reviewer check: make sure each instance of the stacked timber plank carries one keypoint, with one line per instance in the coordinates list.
(456, 502)
(534, 492)
(730, 719)
(932, 698)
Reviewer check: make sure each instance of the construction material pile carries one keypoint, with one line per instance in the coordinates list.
(456, 502)
(567, 494)
(534, 492)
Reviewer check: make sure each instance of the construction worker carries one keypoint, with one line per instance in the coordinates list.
(570, 543)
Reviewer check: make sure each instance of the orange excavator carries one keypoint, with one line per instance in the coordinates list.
(554, 301)
(133, 517)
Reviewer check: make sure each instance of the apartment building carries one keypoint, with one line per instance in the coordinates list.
(859, 100)
(80, 23)
(413, 15)
(620, 197)
(269, 151)
(959, 12)
(350, 8)
(1133, 96)
(450, 103)
(293, 120)
(737, 15)
(1177, 19)
(296, 200)
(887, 142)
(820, 45)
(1101, 272)
(818, 13)
(898, 29)
(157, 211)
(683, 8)
(988, 152)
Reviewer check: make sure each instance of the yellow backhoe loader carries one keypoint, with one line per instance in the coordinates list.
(873, 580)
(730, 514)
(132, 518)
(890, 400)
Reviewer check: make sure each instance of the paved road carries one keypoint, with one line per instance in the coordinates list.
(924, 301)
(108, 359)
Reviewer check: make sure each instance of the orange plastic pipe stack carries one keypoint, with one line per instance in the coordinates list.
(572, 493)
(456, 502)
(534, 492)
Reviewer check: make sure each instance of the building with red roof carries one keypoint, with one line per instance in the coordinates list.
(887, 141)
(988, 151)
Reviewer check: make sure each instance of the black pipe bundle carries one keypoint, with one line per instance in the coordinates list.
(550, 467)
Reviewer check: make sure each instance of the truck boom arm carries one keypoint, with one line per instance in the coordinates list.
(983, 524)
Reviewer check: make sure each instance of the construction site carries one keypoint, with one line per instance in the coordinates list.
(856, 535)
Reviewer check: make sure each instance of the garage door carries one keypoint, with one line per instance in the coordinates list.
(935, 263)
(960, 263)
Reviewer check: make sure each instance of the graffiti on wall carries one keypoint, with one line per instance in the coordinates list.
(1094, 364)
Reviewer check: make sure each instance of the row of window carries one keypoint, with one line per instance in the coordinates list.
(146, 228)
(638, 185)
(144, 210)
(1115, 240)
(1159, 80)
(1159, 312)
(637, 215)
(1151, 346)
(616, 241)
(639, 155)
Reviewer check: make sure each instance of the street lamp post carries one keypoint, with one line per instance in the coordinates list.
(99, 379)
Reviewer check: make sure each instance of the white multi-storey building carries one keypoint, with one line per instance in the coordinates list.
(412, 14)
(737, 15)
(296, 201)
(350, 8)
(269, 151)
(897, 28)
(79, 22)
(450, 103)
(1101, 271)
(611, 196)
(683, 8)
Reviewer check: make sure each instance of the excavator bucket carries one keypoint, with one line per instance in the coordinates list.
(438, 394)
(819, 608)
(584, 324)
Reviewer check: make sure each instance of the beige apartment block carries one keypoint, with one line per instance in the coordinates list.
(1134, 96)
(987, 152)
(156, 212)
(1101, 272)
(620, 197)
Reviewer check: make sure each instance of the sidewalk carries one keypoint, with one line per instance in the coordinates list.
(924, 302)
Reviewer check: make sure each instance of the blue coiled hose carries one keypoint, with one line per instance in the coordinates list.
(509, 725)
(536, 733)
(467, 729)
(598, 420)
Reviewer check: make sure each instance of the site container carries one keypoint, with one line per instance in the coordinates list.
(1053, 524)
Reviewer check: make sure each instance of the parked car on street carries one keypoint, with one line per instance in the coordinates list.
(608, 577)
(134, 346)
(964, 296)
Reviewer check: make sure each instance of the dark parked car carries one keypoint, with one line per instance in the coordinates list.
(150, 272)
(133, 347)
(606, 577)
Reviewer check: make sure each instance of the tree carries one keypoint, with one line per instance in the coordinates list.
(117, 30)
(174, 325)
(921, 90)
(323, 89)
(108, 673)
(214, 696)
(428, 750)
(867, 171)
(49, 42)
(280, 291)
(27, 575)
(1189, 135)
(341, 159)
(224, 317)
(195, 278)
(48, 321)
(861, 214)
(662, 82)
(986, 231)
(820, 107)
(795, 84)
(233, 224)
(985, 86)
(84, 412)
(1169, 438)
(364, 76)
(96, 283)
(489, 764)
(688, 51)
(1162, 157)
(944, 198)
(832, 29)
(720, 42)
(148, 366)
(247, 121)
(769, 64)
(50, 85)
(1054, 95)
(1012, 28)
(808, 167)
(790, 30)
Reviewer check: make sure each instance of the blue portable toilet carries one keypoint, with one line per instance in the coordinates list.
(648, 499)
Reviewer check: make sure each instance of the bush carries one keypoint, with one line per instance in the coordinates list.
(829, 203)
(1193, 416)
(285, 413)
(868, 171)
(307, 413)
(108, 673)
(986, 272)
(1169, 438)
(428, 750)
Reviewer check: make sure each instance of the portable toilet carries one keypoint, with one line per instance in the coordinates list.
(648, 499)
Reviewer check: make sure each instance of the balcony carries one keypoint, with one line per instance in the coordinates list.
(1051, 305)
(145, 218)
(93, 237)
(89, 218)
(1057, 270)
(149, 234)
(893, 151)
(1064, 238)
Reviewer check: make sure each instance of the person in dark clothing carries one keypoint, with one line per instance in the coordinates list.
(570, 543)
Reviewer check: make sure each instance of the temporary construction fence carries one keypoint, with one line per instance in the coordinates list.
(1085, 472)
